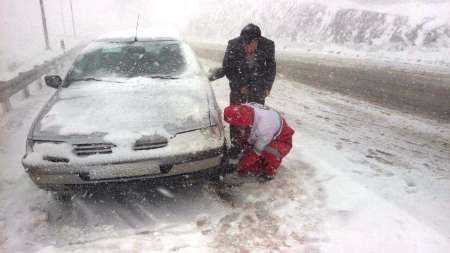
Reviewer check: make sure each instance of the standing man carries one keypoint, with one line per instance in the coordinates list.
(249, 64)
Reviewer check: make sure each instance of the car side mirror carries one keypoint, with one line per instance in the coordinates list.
(216, 73)
(53, 81)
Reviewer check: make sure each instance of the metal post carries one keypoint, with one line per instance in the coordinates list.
(61, 10)
(73, 19)
(44, 24)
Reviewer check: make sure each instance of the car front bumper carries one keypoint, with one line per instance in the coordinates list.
(183, 158)
(51, 179)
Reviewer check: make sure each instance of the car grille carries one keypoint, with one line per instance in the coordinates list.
(92, 148)
(150, 142)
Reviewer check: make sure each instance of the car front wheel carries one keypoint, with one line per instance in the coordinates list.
(63, 196)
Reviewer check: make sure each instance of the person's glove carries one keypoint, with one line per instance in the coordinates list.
(216, 73)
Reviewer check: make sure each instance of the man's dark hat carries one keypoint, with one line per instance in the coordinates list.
(250, 32)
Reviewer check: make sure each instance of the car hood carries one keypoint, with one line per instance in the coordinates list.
(128, 110)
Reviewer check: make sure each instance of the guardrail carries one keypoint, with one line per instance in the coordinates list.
(22, 81)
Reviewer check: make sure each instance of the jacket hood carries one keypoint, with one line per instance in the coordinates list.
(239, 115)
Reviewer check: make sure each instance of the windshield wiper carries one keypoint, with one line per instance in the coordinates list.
(92, 79)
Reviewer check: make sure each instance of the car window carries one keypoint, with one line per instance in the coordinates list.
(126, 60)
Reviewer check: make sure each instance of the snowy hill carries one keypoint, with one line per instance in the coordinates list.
(318, 25)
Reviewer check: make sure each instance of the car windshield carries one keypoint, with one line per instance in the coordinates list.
(107, 60)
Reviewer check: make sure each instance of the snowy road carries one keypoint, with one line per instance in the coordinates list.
(417, 89)
(361, 178)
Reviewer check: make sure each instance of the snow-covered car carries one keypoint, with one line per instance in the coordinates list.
(133, 106)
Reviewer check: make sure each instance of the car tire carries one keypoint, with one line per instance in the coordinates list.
(215, 178)
(63, 196)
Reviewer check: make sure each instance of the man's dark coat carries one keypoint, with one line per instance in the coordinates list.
(260, 78)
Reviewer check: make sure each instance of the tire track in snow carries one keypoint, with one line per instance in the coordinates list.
(277, 216)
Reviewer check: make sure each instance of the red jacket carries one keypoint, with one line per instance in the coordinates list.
(269, 138)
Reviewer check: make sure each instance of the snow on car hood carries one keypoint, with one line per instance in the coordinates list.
(137, 107)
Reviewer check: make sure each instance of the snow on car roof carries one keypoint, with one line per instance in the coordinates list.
(147, 34)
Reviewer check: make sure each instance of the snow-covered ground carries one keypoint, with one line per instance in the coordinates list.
(360, 178)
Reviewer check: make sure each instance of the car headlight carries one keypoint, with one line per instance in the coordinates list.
(31, 143)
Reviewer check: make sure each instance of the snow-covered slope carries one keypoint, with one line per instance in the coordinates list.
(320, 26)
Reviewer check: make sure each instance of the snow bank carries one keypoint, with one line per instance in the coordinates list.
(343, 28)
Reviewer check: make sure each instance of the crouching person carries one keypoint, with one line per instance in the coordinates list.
(267, 138)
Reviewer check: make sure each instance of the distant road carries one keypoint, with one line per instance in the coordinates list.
(416, 92)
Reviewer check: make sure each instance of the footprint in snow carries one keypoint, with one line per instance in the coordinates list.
(410, 186)
(256, 214)
(410, 183)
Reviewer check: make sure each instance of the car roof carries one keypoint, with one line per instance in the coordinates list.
(148, 34)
